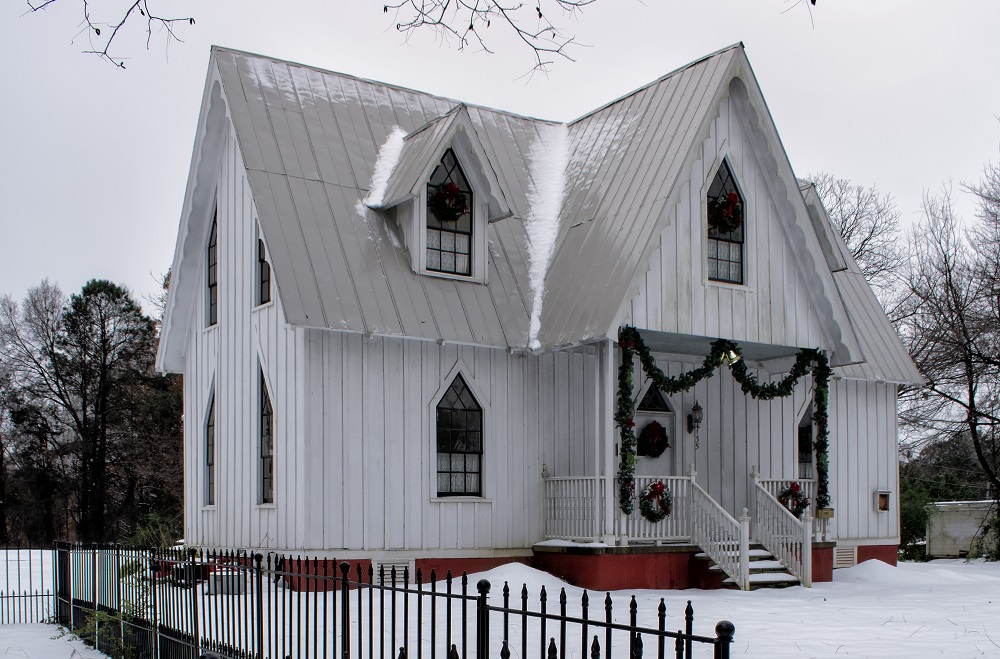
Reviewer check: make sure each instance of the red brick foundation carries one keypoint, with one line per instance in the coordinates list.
(822, 563)
(885, 553)
(618, 569)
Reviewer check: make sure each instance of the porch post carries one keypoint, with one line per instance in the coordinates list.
(598, 529)
(744, 520)
(807, 554)
(608, 392)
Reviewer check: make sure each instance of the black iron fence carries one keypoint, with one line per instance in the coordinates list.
(26, 585)
(180, 604)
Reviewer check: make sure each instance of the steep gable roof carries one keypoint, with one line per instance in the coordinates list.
(310, 141)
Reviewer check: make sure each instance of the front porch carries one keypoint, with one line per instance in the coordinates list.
(581, 512)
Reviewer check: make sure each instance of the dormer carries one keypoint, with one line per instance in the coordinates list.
(441, 192)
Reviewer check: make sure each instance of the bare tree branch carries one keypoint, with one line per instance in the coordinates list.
(102, 33)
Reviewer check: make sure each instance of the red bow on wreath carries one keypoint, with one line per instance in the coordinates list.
(732, 200)
(658, 488)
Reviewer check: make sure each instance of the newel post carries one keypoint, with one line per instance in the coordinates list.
(691, 519)
(745, 550)
(807, 554)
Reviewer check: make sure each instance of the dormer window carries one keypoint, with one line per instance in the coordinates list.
(726, 228)
(449, 218)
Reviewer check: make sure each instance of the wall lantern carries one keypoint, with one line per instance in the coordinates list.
(694, 421)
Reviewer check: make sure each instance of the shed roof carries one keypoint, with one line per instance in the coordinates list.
(310, 141)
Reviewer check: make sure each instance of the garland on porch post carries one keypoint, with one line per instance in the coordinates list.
(723, 351)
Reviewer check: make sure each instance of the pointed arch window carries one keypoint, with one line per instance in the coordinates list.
(806, 448)
(449, 218)
(459, 442)
(653, 401)
(726, 228)
(210, 453)
(263, 274)
(212, 272)
(266, 444)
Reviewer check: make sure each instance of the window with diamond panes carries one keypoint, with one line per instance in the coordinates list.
(266, 444)
(449, 218)
(210, 454)
(459, 442)
(653, 401)
(726, 228)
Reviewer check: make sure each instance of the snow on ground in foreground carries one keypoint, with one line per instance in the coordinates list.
(36, 641)
(916, 610)
(937, 609)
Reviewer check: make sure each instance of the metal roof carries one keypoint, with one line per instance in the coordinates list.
(310, 140)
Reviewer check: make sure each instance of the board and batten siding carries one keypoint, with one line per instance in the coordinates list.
(371, 431)
(227, 358)
(675, 295)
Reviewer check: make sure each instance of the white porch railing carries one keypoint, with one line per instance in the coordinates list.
(778, 530)
(574, 507)
(725, 540)
(775, 485)
(674, 528)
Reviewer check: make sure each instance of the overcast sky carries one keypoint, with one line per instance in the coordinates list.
(902, 94)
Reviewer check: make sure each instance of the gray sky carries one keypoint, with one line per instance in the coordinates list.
(903, 94)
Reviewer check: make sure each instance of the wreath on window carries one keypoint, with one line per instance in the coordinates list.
(653, 440)
(655, 502)
(725, 214)
(791, 498)
(448, 203)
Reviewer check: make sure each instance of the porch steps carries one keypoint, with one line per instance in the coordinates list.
(765, 571)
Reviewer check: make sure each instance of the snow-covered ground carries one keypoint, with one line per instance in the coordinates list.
(38, 641)
(938, 609)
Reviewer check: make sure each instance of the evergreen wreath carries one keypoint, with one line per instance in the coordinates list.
(656, 502)
(448, 203)
(725, 214)
(653, 440)
(807, 361)
(791, 498)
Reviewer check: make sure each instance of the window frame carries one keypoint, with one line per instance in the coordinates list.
(211, 452)
(212, 273)
(727, 240)
(264, 281)
(265, 459)
(481, 410)
(470, 193)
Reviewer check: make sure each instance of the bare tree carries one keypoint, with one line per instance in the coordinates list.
(467, 21)
(102, 22)
(953, 331)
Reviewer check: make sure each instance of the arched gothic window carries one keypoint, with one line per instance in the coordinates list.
(726, 228)
(212, 273)
(449, 218)
(459, 442)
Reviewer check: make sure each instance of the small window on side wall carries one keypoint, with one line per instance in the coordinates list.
(459, 442)
(212, 273)
(263, 274)
(449, 219)
(266, 444)
(210, 453)
(726, 228)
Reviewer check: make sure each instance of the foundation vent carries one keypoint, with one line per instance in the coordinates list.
(845, 556)
(401, 565)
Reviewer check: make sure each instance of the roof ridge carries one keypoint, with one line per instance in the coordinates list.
(385, 84)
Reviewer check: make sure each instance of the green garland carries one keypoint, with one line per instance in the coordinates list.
(722, 351)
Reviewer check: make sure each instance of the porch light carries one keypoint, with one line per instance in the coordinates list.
(694, 421)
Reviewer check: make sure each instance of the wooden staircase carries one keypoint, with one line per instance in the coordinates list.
(765, 571)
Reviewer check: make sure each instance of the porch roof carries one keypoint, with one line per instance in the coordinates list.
(701, 346)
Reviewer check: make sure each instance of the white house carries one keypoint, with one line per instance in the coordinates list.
(397, 319)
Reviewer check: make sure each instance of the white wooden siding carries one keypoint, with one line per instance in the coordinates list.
(245, 340)
(674, 295)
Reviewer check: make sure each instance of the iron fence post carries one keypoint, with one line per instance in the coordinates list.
(195, 574)
(155, 622)
(259, 578)
(345, 612)
(482, 619)
(724, 632)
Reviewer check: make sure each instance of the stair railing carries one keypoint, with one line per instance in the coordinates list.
(724, 539)
(787, 538)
